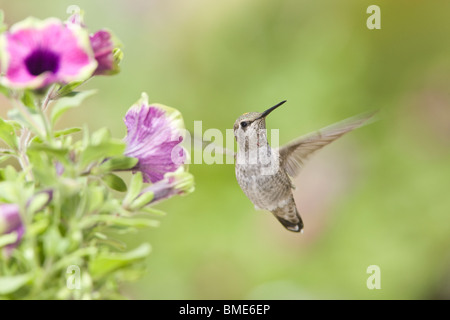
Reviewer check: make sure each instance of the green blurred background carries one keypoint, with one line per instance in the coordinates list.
(378, 196)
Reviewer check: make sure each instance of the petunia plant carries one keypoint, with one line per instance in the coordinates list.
(67, 195)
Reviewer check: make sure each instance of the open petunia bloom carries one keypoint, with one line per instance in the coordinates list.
(10, 221)
(154, 134)
(174, 183)
(36, 53)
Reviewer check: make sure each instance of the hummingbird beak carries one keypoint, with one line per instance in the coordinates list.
(266, 113)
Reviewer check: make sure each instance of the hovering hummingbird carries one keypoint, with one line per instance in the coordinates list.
(265, 174)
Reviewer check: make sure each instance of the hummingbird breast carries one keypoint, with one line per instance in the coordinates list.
(267, 188)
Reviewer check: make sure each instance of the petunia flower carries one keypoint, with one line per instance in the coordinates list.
(154, 133)
(104, 45)
(36, 53)
(10, 221)
(106, 52)
(174, 183)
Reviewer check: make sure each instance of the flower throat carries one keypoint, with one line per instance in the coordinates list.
(40, 61)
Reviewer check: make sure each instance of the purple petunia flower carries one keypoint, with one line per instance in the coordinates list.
(37, 53)
(10, 221)
(154, 133)
(174, 183)
(103, 46)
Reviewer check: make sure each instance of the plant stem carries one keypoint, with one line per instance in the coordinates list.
(43, 107)
(23, 158)
(48, 97)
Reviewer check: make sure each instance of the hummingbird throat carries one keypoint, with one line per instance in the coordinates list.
(254, 150)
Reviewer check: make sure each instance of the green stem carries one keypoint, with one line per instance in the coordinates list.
(23, 158)
(48, 97)
(27, 116)
(43, 107)
(47, 126)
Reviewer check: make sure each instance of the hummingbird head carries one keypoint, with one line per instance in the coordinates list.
(250, 124)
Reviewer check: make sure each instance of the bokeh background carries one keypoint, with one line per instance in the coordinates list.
(378, 196)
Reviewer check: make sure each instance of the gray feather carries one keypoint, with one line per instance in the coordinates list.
(294, 154)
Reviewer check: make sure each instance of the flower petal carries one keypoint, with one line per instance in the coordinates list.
(10, 221)
(36, 53)
(154, 134)
(104, 45)
(174, 183)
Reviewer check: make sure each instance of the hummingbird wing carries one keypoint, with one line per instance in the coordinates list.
(293, 155)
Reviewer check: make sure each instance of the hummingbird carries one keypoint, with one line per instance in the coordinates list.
(266, 174)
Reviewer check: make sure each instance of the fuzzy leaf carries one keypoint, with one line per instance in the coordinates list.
(8, 239)
(107, 262)
(118, 163)
(69, 101)
(8, 134)
(134, 189)
(9, 284)
(68, 88)
(141, 201)
(101, 151)
(38, 150)
(38, 202)
(31, 119)
(59, 133)
(120, 221)
(115, 182)
(28, 99)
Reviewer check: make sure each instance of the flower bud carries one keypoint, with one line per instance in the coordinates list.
(10, 221)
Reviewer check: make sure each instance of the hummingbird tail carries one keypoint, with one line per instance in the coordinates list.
(289, 217)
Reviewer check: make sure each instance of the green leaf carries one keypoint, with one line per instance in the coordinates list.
(10, 173)
(107, 262)
(120, 221)
(96, 198)
(58, 153)
(9, 284)
(8, 239)
(43, 164)
(59, 133)
(28, 99)
(9, 191)
(74, 257)
(8, 134)
(104, 239)
(37, 227)
(102, 135)
(54, 243)
(38, 202)
(114, 182)
(151, 210)
(66, 132)
(3, 159)
(118, 163)
(28, 118)
(68, 88)
(143, 200)
(101, 151)
(3, 90)
(69, 101)
(134, 189)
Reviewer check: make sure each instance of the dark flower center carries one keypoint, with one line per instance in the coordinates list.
(40, 61)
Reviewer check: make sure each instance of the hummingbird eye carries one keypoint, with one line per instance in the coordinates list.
(244, 124)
